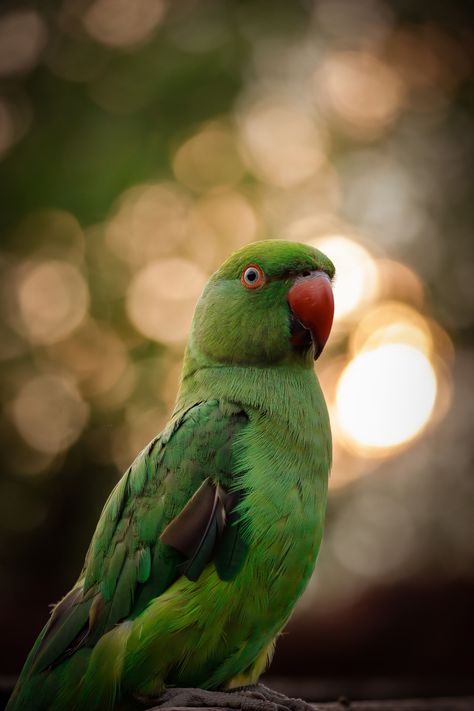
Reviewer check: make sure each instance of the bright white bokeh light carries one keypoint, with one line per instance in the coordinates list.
(385, 397)
(356, 279)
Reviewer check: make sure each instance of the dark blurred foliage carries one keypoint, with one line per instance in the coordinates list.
(140, 143)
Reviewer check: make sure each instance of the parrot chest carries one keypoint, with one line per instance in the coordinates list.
(281, 467)
(285, 504)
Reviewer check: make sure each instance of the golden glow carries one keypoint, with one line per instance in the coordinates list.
(392, 322)
(385, 397)
(162, 297)
(345, 466)
(363, 92)
(49, 413)
(387, 388)
(356, 279)
(119, 23)
(282, 143)
(53, 299)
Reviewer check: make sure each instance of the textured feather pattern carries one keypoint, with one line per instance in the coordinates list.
(67, 620)
(126, 553)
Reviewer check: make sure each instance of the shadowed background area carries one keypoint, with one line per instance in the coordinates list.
(140, 144)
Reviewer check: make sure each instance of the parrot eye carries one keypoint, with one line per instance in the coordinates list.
(252, 277)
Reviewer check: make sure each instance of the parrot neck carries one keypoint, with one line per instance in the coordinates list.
(284, 391)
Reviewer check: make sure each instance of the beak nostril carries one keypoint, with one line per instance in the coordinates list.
(306, 273)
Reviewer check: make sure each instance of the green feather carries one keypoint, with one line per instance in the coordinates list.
(113, 570)
(143, 565)
(67, 620)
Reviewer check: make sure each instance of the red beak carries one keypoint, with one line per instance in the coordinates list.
(312, 303)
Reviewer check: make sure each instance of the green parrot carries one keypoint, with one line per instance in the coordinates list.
(210, 537)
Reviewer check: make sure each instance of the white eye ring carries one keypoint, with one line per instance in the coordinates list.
(252, 277)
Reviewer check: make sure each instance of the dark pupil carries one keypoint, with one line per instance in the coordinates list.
(252, 275)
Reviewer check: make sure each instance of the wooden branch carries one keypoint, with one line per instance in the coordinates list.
(447, 704)
(456, 704)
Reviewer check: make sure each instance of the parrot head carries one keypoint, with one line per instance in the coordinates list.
(270, 302)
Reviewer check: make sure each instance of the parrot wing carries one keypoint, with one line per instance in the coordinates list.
(173, 511)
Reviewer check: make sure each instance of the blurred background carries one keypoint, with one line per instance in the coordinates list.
(140, 144)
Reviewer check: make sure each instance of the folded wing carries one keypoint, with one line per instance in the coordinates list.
(174, 511)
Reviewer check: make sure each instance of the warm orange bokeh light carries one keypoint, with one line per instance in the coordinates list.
(385, 397)
(392, 322)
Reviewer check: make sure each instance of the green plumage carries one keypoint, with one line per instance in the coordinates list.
(236, 487)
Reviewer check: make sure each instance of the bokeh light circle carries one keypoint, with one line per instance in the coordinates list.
(151, 221)
(392, 322)
(49, 413)
(385, 397)
(53, 299)
(364, 93)
(282, 143)
(161, 299)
